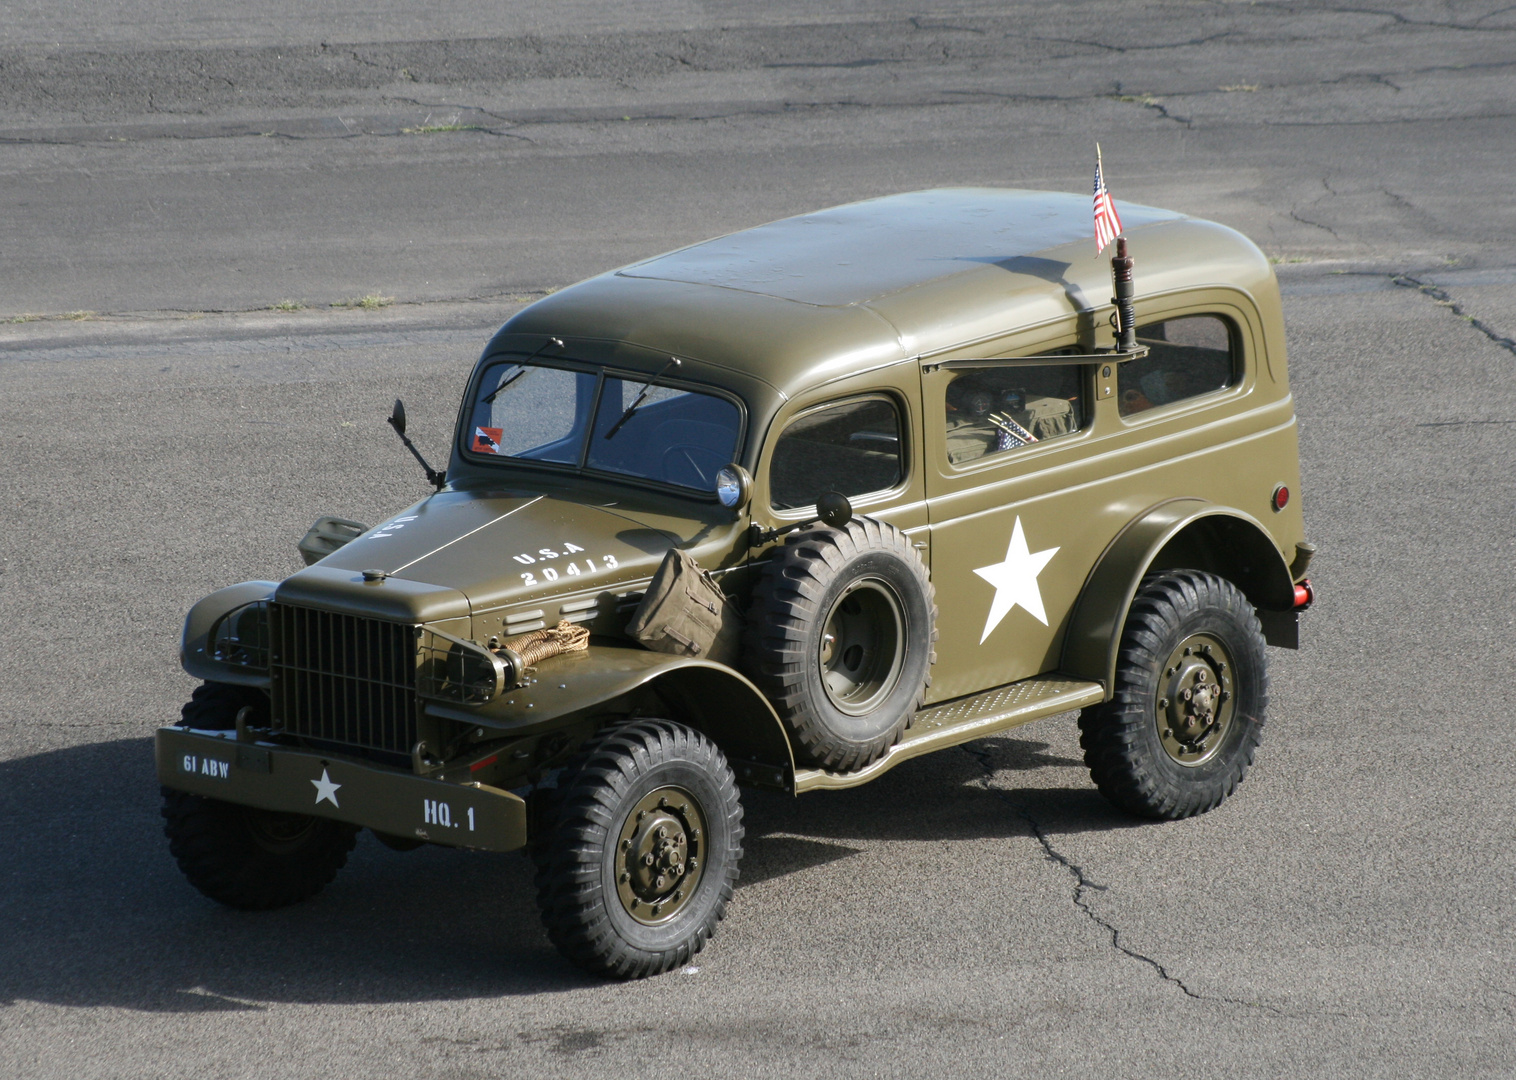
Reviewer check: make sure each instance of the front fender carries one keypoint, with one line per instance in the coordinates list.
(710, 697)
(1192, 533)
(193, 654)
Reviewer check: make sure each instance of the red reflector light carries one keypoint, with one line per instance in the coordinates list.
(1280, 498)
(476, 766)
(1304, 594)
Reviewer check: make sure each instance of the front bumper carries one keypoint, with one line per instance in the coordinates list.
(215, 764)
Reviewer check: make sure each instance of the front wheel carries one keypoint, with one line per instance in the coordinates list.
(239, 855)
(640, 851)
(248, 858)
(1191, 691)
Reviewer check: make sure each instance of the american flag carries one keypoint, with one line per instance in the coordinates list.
(1107, 223)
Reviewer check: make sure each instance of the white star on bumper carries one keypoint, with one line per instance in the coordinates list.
(327, 790)
(1015, 581)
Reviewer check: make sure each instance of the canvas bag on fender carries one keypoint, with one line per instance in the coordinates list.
(685, 612)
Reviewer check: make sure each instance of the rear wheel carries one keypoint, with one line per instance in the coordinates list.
(1191, 693)
(239, 855)
(640, 849)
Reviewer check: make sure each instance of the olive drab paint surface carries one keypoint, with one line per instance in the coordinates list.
(944, 359)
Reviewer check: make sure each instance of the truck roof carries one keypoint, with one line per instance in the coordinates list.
(832, 293)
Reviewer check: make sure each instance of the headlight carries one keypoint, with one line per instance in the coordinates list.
(452, 669)
(733, 486)
(240, 636)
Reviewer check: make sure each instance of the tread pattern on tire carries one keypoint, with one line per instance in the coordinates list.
(569, 880)
(1118, 747)
(210, 841)
(787, 600)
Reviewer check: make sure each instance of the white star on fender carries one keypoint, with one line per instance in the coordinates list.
(327, 790)
(1015, 581)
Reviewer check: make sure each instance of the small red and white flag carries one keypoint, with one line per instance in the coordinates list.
(1107, 223)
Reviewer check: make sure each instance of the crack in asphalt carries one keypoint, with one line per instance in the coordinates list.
(1314, 224)
(1441, 296)
(1083, 885)
(1403, 20)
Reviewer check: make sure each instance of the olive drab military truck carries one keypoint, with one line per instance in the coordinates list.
(779, 510)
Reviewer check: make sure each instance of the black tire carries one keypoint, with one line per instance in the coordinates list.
(239, 855)
(1191, 693)
(595, 912)
(214, 706)
(848, 702)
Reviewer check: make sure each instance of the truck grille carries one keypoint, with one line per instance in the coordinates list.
(343, 679)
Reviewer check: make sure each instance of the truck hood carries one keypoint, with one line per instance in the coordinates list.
(461, 553)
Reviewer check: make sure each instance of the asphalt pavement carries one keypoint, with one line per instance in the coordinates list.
(231, 240)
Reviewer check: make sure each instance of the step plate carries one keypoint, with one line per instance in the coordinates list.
(965, 719)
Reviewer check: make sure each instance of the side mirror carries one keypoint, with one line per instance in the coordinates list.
(397, 418)
(834, 509)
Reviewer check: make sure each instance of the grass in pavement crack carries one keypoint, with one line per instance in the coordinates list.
(1441, 297)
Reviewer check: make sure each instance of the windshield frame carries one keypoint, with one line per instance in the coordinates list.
(581, 467)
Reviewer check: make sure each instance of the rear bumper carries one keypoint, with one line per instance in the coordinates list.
(215, 764)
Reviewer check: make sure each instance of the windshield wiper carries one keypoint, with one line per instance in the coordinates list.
(489, 398)
(641, 396)
(522, 369)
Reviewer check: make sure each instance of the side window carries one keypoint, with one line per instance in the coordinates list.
(1190, 356)
(993, 410)
(853, 447)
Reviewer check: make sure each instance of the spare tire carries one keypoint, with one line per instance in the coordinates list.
(840, 638)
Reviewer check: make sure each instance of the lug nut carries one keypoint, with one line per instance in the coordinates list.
(659, 882)
(625, 877)
(663, 834)
(647, 860)
(692, 864)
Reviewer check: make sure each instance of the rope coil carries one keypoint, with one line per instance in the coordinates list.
(537, 646)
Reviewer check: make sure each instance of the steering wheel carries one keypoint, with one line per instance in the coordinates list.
(682, 459)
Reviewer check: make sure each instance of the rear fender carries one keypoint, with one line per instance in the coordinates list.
(1184, 533)
(194, 655)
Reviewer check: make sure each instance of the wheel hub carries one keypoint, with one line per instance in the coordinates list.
(278, 832)
(1195, 699)
(658, 855)
(861, 646)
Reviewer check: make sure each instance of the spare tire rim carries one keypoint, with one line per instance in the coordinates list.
(862, 646)
(1196, 699)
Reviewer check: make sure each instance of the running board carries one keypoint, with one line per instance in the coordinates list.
(963, 720)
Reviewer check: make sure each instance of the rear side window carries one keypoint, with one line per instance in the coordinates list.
(1189, 356)
(853, 447)
(993, 410)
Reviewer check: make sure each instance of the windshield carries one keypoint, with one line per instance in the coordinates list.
(563, 416)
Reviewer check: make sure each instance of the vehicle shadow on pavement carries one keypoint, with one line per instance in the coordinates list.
(96, 913)
(956, 794)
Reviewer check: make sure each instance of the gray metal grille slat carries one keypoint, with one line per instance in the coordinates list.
(345, 679)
